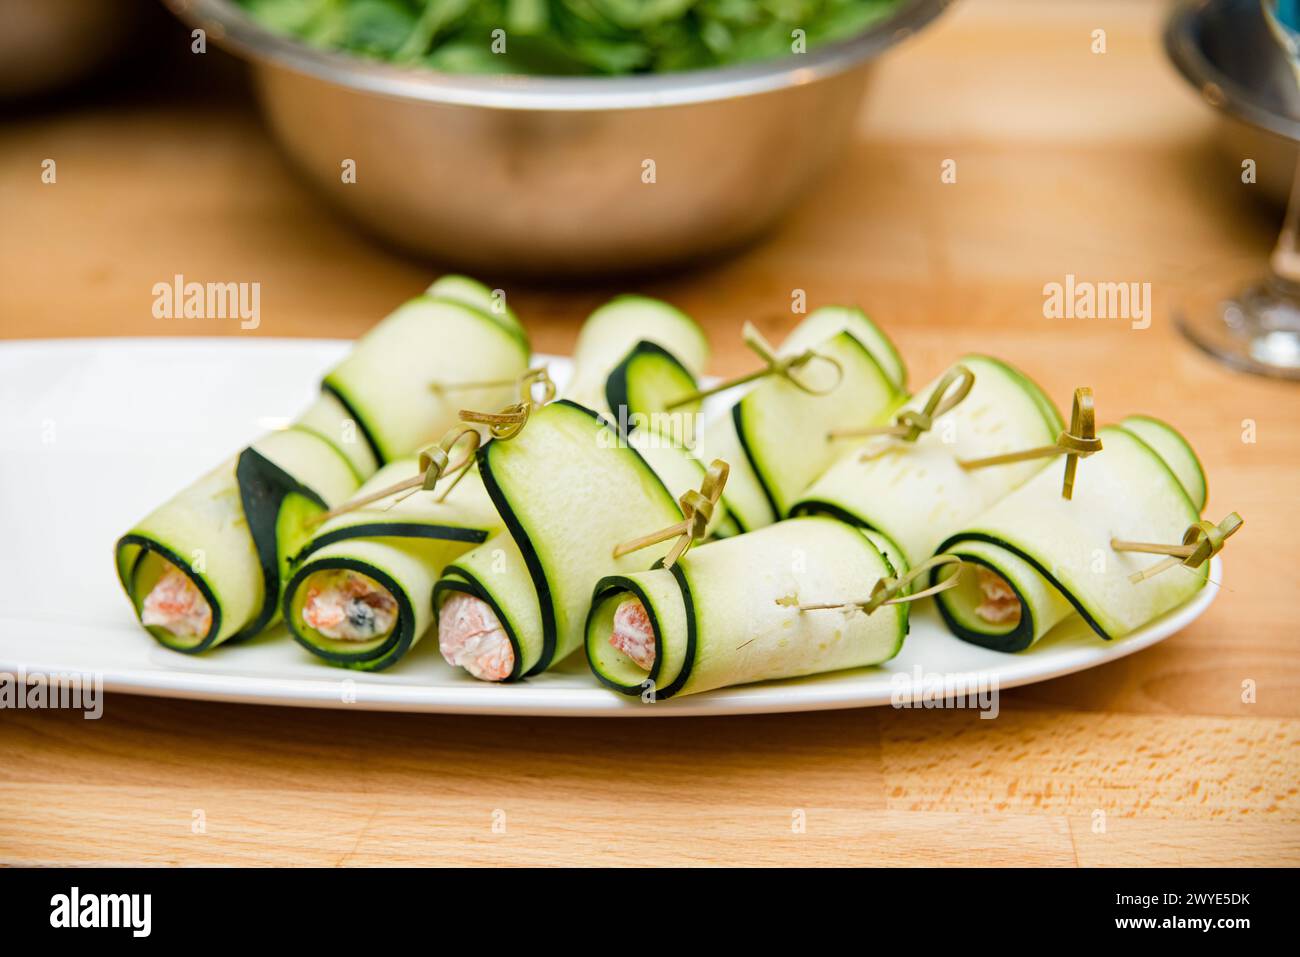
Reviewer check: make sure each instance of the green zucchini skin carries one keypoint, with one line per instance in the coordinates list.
(248, 517)
(615, 327)
(1026, 631)
(826, 321)
(634, 354)
(649, 368)
(564, 531)
(474, 294)
(372, 444)
(774, 436)
(733, 627)
(775, 415)
(1036, 541)
(131, 550)
(446, 533)
(764, 485)
(1175, 450)
(386, 382)
(916, 493)
(396, 644)
(404, 542)
(263, 487)
(239, 519)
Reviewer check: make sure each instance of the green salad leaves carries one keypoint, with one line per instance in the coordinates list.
(568, 37)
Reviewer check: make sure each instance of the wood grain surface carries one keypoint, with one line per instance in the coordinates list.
(1067, 162)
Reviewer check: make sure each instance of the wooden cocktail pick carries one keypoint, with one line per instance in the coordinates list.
(435, 461)
(910, 424)
(1078, 442)
(775, 365)
(1201, 542)
(889, 590)
(697, 511)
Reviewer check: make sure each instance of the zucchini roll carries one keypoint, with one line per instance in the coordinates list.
(567, 492)
(634, 359)
(776, 437)
(727, 612)
(359, 592)
(916, 493)
(635, 356)
(1041, 557)
(208, 565)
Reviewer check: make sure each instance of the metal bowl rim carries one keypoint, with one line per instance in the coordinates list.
(229, 25)
(1234, 99)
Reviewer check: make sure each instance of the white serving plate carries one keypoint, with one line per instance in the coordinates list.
(96, 433)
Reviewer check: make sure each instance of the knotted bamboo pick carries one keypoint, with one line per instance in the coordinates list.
(697, 511)
(508, 422)
(910, 424)
(1201, 542)
(889, 590)
(434, 461)
(776, 365)
(1078, 442)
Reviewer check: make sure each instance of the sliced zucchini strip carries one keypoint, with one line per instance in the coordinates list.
(404, 541)
(230, 534)
(775, 438)
(641, 392)
(916, 493)
(725, 613)
(1054, 553)
(634, 357)
(679, 470)
(623, 352)
(387, 382)
(823, 323)
(1176, 452)
(611, 330)
(472, 293)
(568, 492)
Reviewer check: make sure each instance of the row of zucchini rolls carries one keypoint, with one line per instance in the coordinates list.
(789, 536)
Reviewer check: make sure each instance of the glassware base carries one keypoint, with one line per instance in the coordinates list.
(1257, 330)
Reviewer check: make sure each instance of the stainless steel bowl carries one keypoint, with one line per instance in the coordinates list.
(1224, 49)
(544, 175)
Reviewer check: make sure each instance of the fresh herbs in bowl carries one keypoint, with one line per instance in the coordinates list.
(568, 37)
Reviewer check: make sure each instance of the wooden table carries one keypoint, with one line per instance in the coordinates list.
(1067, 161)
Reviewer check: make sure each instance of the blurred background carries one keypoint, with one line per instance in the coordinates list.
(1065, 160)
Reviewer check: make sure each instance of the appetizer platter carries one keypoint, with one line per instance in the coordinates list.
(434, 518)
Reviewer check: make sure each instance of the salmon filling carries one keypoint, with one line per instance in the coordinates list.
(176, 604)
(470, 636)
(632, 633)
(1000, 605)
(348, 606)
